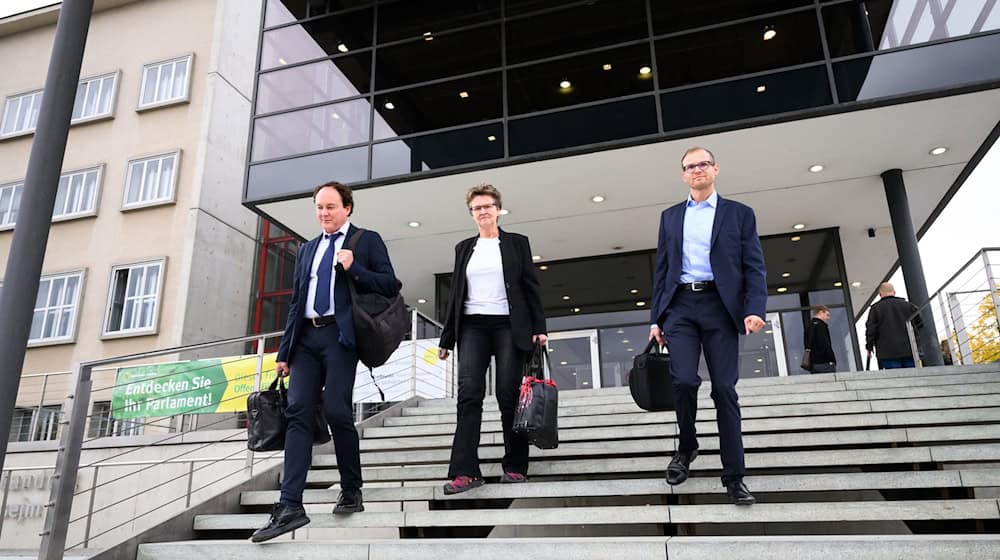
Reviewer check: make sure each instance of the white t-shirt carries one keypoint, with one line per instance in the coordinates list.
(487, 294)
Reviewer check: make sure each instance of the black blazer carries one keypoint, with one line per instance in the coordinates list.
(818, 340)
(371, 272)
(524, 294)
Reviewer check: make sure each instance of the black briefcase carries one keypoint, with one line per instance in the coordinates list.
(266, 420)
(537, 413)
(650, 381)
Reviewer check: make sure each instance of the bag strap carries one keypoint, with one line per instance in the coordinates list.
(380, 393)
(351, 244)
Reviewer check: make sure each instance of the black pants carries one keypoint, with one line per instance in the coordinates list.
(483, 336)
(696, 322)
(826, 367)
(322, 367)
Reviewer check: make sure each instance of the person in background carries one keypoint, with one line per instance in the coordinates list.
(817, 341)
(885, 329)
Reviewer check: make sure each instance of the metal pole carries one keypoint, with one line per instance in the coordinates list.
(187, 502)
(3, 505)
(90, 508)
(909, 257)
(60, 502)
(993, 287)
(256, 387)
(864, 28)
(31, 234)
(413, 343)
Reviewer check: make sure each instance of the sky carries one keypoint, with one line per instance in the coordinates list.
(9, 7)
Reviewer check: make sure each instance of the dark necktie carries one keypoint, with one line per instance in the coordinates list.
(321, 303)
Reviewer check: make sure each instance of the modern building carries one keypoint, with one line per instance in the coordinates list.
(150, 246)
(579, 111)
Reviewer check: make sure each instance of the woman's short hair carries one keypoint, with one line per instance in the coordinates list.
(819, 309)
(484, 190)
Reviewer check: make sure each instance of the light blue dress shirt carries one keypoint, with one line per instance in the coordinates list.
(698, 220)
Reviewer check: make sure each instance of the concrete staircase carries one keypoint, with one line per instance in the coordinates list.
(892, 464)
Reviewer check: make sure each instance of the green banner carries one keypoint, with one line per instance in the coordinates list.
(192, 387)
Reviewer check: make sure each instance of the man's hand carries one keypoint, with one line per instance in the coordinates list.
(753, 323)
(540, 339)
(443, 353)
(655, 332)
(281, 368)
(346, 258)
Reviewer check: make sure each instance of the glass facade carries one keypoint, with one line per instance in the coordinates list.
(384, 89)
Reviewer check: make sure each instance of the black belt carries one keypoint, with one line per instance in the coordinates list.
(321, 321)
(707, 285)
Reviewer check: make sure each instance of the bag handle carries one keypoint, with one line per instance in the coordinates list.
(541, 350)
(276, 386)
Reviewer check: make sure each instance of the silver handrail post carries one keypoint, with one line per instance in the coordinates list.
(3, 505)
(913, 345)
(257, 376)
(60, 502)
(90, 508)
(413, 344)
(993, 287)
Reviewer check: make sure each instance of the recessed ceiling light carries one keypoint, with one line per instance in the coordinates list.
(640, 303)
(428, 36)
(607, 67)
(761, 89)
(796, 238)
(769, 33)
(576, 310)
(421, 300)
(856, 284)
(645, 71)
(799, 226)
(816, 168)
(837, 284)
(633, 291)
(782, 290)
(565, 84)
(503, 212)
(463, 94)
(341, 47)
(756, 371)
(282, 61)
(414, 224)
(760, 359)
(630, 349)
(565, 298)
(786, 274)
(597, 198)
(389, 105)
(562, 363)
(625, 341)
(335, 115)
(536, 257)
(938, 151)
(543, 267)
(620, 331)
(491, 138)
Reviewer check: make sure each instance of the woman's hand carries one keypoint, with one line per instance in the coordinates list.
(540, 339)
(443, 353)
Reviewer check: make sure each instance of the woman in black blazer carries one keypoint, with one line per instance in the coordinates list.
(495, 309)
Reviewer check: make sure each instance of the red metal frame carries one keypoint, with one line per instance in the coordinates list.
(266, 243)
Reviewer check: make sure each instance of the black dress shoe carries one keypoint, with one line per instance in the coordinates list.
(739, 494)
(677, 470)
(349, 501)
(284, 519)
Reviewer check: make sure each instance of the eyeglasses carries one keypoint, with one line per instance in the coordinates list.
(702, 165)
(480, 208)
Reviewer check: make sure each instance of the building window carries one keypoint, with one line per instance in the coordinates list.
(103, 423)
(21, 113)
(95, 97)
(151, 180)
(55, 308)
(133, 299)
(44, 419)
(77, 194)
(10, 202)
(165, 82)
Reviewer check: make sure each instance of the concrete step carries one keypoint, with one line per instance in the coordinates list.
(762, 484)
(848, 547)
(754, 461)
(811, 512)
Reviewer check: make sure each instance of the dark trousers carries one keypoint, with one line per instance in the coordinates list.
(696, 322)
(895, 363)
(483, 336)
(827, 367)
(322, 368)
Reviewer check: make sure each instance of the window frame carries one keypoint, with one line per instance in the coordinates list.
(172, 199)
(70, 337)
(140, 106)
(97, 195)
(3, 116)
(13, 185)
(157, 305)
(116, 75)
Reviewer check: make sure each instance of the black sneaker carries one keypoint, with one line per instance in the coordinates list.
(349, 501)
(284, 519)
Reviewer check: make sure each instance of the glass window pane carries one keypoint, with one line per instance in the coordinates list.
(746, 98)
(403, 20)
(65, 322)
(62, 191)
(166, 183)
(587, 26)
(136, 171)
(6, 196)
(327, 80)
(51, 317)
(152, 280)
(738, 49)
(9, 115)
(92, 97)
(445, 55)
(590, 77)
(135, 280)
(898, 24)
(441, 105)
(299, 175)
(669, 17)
(146, 314)
(436, 151)
(619, 345)
(72, 283)
(588, 125)
(521, 7)
(128, 317)
(180, 80)
(793, 335)
(334, 35)
(88, 197)
(56, 291)
(42, 296)
(78, 102)
(151, 76)
(319, 128)
(73, 195)
(164, 86)
(284, 11)
(107, 89)
(37, 322)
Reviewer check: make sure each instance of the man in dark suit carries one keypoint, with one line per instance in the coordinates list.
(319, 348)
(709, 286)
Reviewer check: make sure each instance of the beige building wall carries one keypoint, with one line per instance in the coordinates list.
(206, 237)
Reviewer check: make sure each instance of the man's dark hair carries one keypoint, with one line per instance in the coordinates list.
(695, 149)
(346, 195)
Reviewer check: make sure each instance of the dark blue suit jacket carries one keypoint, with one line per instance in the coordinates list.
(371, 272)
(735, 254)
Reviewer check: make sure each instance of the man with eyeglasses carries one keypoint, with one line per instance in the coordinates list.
(708, 287)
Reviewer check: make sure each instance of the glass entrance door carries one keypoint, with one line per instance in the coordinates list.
(574, 360)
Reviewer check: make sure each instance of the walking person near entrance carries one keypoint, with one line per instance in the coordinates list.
(318, 349)
(822, 358)
(885, 329)
(495, 310)
(708, 287)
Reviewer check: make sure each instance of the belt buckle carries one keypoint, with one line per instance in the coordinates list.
(315, 324)
(697, 286)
